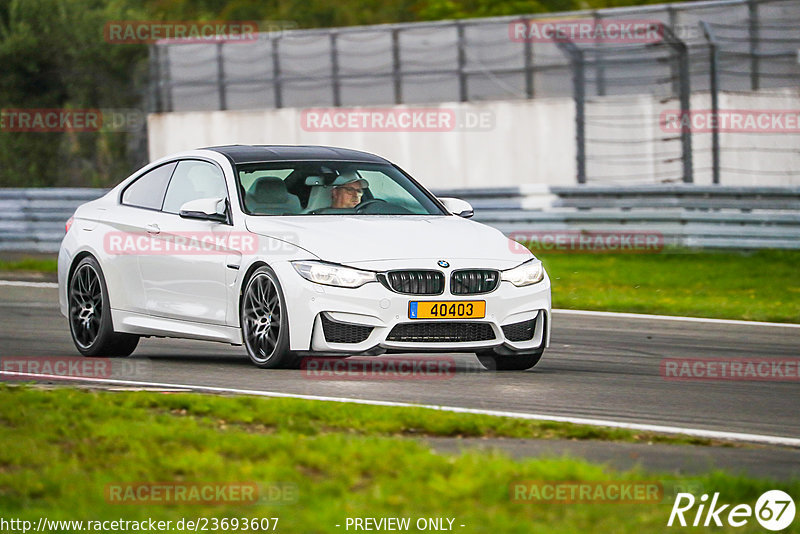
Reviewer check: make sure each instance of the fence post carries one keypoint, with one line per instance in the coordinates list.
(154, 100)
(462, 61)
(276, 72)
(396, 72)
(223, 104)
(337, 98)
(714, 88)
(167, 83)
(528, 58)
(752, 9)
(577, 62)
(684, 87)
(673, 21)
(600, 70)
(580, 114)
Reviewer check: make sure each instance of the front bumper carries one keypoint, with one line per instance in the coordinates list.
(376, 310)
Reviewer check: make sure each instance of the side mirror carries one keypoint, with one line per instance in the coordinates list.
(459, 207)
(206, 209)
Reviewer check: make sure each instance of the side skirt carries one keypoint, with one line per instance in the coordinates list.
(148, 325)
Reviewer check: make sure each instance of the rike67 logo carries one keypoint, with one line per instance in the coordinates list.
(774, 510)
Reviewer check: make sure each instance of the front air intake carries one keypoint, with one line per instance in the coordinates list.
(441, 332)
(336, 332)
(522, 331)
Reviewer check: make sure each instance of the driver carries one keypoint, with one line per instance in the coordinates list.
(347, 191)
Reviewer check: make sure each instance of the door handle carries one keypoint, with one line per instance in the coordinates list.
(153, 229)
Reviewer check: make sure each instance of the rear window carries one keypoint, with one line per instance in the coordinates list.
(148, 190)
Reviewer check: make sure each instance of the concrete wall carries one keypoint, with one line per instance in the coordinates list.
(527, 142)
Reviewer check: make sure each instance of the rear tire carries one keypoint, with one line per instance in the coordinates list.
(90, 314)
(520, 362)
(265, 323)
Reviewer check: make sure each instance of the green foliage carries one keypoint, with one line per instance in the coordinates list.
(53, 55)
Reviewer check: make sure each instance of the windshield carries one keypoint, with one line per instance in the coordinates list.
(330, 188)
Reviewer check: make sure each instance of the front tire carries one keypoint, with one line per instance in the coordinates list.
(90, 314)
(265, 323)
(518, 362)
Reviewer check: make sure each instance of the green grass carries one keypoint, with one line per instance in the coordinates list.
(757, 286)
(59, 449)
(310, 417)
(43, 265)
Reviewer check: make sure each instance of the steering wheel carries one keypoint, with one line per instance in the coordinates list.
(361, 207)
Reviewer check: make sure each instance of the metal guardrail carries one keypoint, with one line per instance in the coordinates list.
(694, 197)
(34, 219)
(690, 216)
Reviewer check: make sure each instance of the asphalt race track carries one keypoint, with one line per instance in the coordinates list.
(598, 367)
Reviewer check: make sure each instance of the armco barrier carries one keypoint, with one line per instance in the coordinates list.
(691, 216)
(34, 219)
(685, 215)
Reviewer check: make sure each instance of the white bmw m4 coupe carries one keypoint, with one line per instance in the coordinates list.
(297, 251)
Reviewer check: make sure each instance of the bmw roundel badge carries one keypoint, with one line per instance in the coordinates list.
(443, 263)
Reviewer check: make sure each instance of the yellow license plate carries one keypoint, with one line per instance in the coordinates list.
(457, 309)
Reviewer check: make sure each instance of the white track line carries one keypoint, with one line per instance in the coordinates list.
(28, 284)
(710, 434)
(560, 311)
(671, 318)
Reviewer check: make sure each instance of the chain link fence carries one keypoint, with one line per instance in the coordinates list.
(747, 46)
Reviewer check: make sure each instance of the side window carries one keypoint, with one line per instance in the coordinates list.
(193, 180)
(147, 191)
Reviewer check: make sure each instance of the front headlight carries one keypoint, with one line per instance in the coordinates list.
(332, 275)
(528, 273)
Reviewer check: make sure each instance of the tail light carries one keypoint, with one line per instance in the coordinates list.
(69, 223)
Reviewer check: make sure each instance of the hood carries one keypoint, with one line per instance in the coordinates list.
(378, 240)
